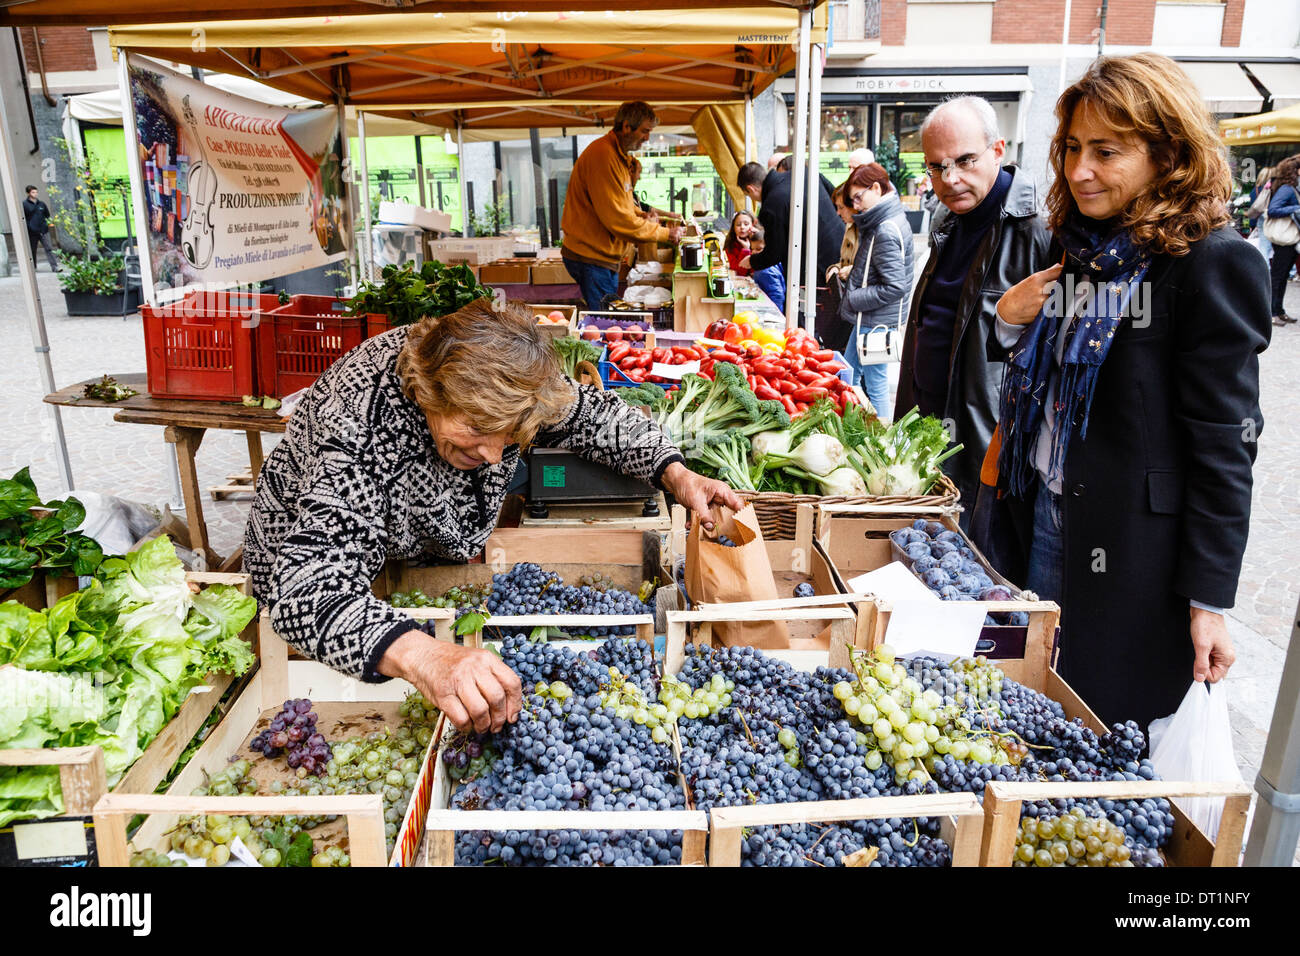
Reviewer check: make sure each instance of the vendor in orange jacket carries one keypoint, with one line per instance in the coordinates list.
(601, 216)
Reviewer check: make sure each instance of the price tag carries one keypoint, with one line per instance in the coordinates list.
(675, 372)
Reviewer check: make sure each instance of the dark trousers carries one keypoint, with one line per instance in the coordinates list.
(1280, 268)
(598, 284)
(42, 239)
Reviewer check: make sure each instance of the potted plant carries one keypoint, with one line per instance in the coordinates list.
(92, 277)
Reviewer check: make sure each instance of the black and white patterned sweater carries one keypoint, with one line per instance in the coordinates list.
(358, 479)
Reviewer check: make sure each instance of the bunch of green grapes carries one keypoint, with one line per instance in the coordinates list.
(597, 582)
(331, 856)
(151, 857)
(1072, 839)
(906, 724)
(460, 596)
(676, 700)
(790, 743)
(982, 679)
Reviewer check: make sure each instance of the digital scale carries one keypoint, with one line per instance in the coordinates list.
(557, 477)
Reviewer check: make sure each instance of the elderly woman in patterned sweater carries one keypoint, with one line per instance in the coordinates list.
(404, 449)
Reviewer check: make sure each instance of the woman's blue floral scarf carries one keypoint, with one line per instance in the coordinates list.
(1109, 269)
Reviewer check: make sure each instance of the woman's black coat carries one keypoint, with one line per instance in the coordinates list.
(1156, 499)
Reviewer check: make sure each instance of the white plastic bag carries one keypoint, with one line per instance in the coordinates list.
(1195, 745)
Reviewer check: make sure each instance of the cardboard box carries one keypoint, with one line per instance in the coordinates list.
(551, 273)
(476, 250)
(505, 273)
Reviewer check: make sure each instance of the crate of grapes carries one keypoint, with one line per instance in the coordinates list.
(806, 789)
(602, 579)
(1044, 737)
(959, 817)
(307, 765)
(499, 801)
(1077, 837)
(83, 779)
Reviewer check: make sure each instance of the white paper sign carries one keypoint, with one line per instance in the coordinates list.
(920, 622)
(676, 372)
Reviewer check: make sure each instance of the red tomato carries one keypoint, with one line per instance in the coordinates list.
(677, 360)
(826, 382)
(850, 397)
(786, 386)
(719, 355)
(806, 376)
(767, 393)
(619, 352)
(809, 394)
(789, 404)
(659, 354)
(801, 406)
(824, 355)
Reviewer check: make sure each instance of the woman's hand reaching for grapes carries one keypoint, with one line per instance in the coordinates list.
(472, 686)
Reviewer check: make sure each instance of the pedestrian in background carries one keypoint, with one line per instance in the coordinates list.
(38, 227)
(986, 238)
(878, 286)
(1283, 209)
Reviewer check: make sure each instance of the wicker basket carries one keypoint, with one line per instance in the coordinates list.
(777, 510)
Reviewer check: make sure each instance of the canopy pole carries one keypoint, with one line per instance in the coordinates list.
(136, 176)
(367, 263)
(346, 159)
(36, 318)
(539, 197)
(1276, 827)
(797, 170)
(460, 179)
(811, 278)
(749, 145)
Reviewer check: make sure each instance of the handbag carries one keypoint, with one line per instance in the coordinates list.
(1281, 230)
(881, 343)
(1259, 207)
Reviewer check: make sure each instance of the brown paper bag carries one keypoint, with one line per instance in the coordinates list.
(716, 574)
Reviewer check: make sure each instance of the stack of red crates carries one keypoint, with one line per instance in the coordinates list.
(203, 346)
(299, 341)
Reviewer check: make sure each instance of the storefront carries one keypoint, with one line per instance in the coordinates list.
(864, 107)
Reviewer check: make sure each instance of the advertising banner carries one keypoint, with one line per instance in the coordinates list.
(234, 191)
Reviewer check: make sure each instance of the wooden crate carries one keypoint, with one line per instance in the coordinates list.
(960, 814)
(338, 700)
(1187, 847)
(81, 769)
(444, 823)
(856, 540)
(796, 561)
(627, 557)
(960, 820)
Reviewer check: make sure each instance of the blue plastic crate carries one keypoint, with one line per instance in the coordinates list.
(846, 374)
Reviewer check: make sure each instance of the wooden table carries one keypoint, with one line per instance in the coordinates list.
(184, 425)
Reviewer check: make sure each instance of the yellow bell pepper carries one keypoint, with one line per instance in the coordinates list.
(746, 343)
(776, 348)
(767, 337)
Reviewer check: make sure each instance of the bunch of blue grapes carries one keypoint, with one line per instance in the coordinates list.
(895, 842)
(568, 752)
(530, 589)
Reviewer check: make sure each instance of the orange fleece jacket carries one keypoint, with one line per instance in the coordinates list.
(601, 219)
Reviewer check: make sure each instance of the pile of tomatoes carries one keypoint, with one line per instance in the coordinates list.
(791, 368)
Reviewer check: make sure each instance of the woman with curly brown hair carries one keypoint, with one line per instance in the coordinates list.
(1130, 408)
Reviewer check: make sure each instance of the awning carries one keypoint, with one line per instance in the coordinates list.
(531, 70)
(1279, 126)
(1223, 86)
(96, 13)
(1282, 80)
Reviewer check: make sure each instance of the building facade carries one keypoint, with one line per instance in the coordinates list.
(890, 61)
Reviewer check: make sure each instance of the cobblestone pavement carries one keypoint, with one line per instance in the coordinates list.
(132, 461)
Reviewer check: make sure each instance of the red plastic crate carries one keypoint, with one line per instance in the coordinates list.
(299, 341)
(377, 323)
(202, 346)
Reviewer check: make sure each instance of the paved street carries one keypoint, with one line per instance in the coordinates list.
(132, 461)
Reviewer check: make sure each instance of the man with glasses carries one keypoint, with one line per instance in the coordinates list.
(986, 239)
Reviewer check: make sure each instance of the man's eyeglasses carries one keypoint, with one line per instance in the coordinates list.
(962, 164)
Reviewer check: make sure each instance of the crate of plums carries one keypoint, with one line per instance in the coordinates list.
(931, 545)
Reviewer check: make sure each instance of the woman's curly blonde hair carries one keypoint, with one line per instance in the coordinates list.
(1150, 97)
(490, 366)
